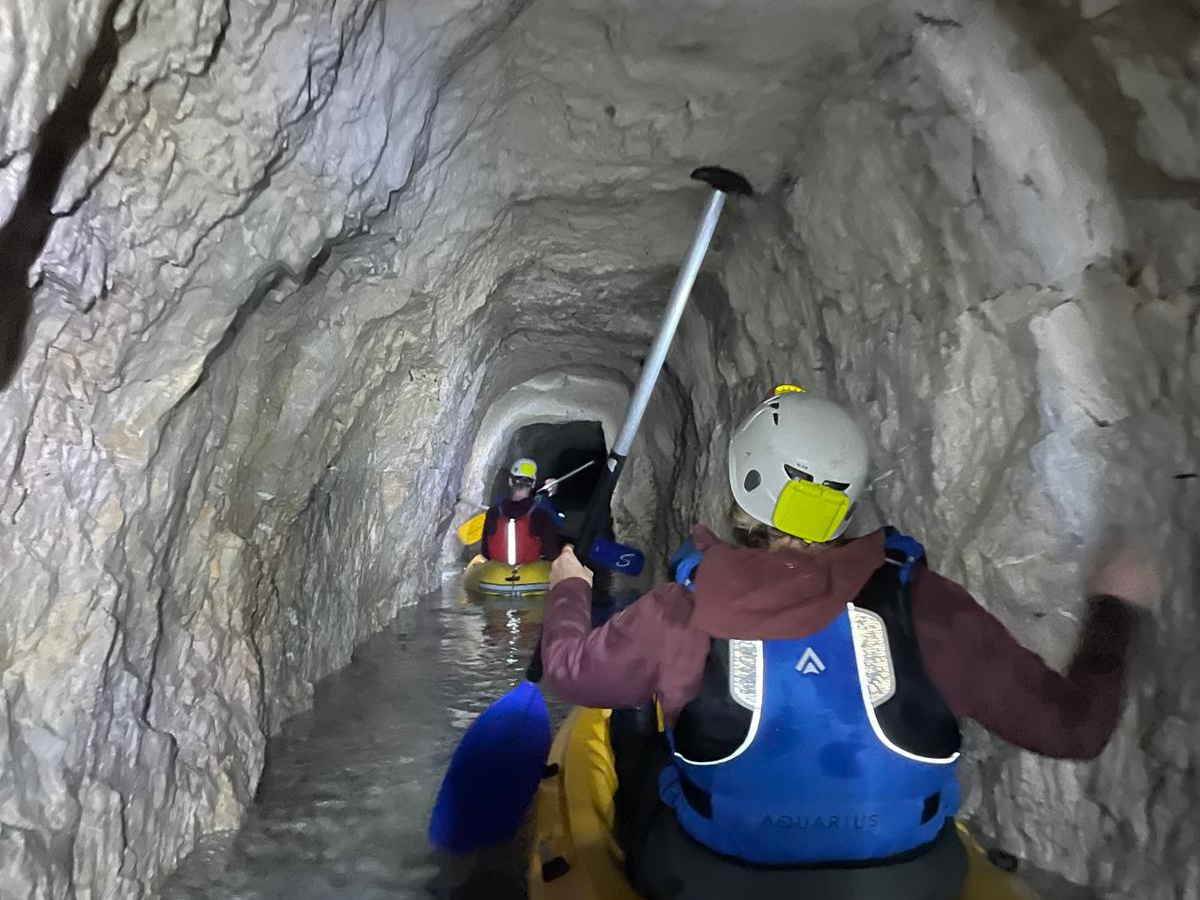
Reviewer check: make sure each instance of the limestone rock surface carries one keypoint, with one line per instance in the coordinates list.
(313, 265)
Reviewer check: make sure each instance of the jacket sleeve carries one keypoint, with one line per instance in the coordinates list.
(629, 660)
(489, 528)
(986, 675)
(546, 529)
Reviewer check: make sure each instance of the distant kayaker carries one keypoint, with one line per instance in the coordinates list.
(811, 685)
(518, 529)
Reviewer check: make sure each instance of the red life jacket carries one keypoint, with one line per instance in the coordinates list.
(513, 541)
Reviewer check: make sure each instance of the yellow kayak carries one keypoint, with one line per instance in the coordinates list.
(574, 807)
(494, 578)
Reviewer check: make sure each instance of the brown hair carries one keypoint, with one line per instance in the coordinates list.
(749, 532)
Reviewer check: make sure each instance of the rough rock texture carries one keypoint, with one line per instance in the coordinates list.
(311, 268)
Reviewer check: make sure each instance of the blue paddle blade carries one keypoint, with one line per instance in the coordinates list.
(494, 774)
(618, 557)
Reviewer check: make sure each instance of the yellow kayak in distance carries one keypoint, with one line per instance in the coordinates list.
(576, 858)
(492, 578)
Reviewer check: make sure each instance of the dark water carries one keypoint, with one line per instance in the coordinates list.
(345, 798)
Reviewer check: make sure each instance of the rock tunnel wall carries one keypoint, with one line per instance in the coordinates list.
(301, 255)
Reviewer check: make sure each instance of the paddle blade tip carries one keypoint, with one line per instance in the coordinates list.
(493, 775)
(617, 557)
(471, 531)
(725, 180)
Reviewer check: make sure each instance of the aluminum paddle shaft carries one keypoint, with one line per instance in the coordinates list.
(723, 182)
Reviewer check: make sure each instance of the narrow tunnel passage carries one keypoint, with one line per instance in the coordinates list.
(559, 449)
(976, 225)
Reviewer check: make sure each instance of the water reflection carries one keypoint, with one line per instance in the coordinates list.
(346, 794)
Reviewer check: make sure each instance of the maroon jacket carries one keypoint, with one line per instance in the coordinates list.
(657, 646)
(541, 524)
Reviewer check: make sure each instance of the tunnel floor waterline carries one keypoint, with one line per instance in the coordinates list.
(345, 798)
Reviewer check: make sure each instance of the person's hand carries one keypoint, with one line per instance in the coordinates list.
(1127, 573)
(550, 487)
(568, 566)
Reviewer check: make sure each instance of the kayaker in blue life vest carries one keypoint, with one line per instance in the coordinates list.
(520, 529)
(811, 686)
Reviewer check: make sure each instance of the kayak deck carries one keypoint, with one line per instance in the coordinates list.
(576, 858)
(498, 579)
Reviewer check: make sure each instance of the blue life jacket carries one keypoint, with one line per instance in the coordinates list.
(834, 748)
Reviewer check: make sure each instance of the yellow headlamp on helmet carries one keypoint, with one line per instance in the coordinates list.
(811, 512)
(524, 468)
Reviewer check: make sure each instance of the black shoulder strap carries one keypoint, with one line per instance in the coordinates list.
(916, 717)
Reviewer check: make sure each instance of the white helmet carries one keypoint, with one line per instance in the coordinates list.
(524, 468)
(799, 463)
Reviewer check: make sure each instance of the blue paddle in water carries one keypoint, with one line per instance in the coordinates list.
(494, 773)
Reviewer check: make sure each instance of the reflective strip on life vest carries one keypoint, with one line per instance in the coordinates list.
(746, 669)
(512, 542)
(858, 639)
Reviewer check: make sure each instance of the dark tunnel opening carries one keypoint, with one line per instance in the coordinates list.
(558, 448)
